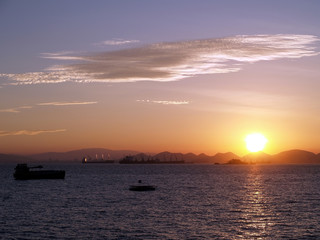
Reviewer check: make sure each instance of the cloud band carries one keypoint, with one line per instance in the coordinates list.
(29, 132)
(165, 102)
(65, 103)
(171, 61)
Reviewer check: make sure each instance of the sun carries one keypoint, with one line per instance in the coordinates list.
(255, 142)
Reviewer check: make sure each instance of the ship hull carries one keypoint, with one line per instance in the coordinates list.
(47, 174)
(142, 188)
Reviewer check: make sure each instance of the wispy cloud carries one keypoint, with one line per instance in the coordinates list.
(14, 110)
(10, 110)
(29, 132)
(117, 42)
(19, 109)
(165, 102)
(61, 56)
(171, 61)
(65, 103)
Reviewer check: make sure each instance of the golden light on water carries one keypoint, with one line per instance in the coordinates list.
(255, 142)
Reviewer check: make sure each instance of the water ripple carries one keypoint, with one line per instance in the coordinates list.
(191, 202)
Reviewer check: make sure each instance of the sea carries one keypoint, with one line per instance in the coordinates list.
(191, 201)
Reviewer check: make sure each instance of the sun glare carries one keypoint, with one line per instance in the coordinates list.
(255, 142)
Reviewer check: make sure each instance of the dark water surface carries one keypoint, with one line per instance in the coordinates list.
(190, 202)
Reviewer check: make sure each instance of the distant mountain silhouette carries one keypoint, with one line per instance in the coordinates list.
(224, 157)
(257, 157)
(77, 155)
(296, 157)
(167, 156)
(188, 158)
(236, 161)
(287, 157)
(191, 157)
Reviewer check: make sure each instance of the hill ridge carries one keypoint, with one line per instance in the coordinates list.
(292, 156)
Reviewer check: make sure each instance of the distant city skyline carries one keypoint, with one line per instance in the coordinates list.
(182, 76)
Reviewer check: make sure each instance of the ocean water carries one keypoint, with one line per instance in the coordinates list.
(191, 202)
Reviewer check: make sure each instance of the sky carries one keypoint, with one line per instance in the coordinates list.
(153, 76)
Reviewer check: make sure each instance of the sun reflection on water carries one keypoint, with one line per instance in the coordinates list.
(256, 216)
